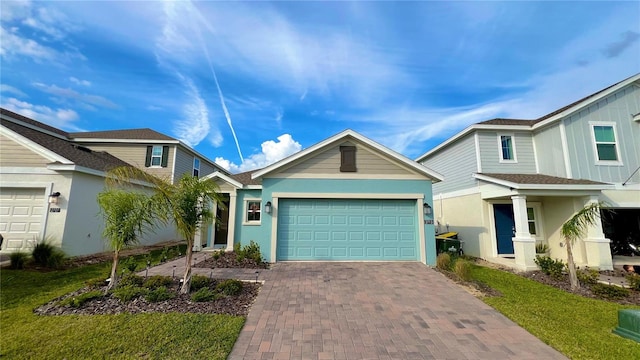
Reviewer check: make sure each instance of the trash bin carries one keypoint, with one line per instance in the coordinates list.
(448, 242)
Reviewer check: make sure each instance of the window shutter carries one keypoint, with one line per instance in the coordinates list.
(147, 161)
(165, 156)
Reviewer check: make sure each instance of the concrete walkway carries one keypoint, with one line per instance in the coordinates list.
(376, 311)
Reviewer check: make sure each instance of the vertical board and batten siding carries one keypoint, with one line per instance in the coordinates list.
(328, 163)
(456, 163)
(619, 108)
(14, 154)
(135, 154)
(549, 151)
(490, 153)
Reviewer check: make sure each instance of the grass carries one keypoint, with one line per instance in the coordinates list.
(576, 326)
(166, 336)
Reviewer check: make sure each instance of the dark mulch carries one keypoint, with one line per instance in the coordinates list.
(238, 305)
(229, 260)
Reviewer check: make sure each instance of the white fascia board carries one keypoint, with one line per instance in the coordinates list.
(343, 135)
(589, 101)
(33, 146)
(518, 186)
(253, 187)
(467, 131)
(72, 167)
(224, 177)
(32, 127)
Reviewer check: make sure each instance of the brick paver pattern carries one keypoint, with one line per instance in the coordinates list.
(395, 310)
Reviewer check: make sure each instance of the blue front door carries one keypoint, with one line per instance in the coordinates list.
(503, 214)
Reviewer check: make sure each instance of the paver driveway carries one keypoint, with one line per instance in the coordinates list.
(376, 311)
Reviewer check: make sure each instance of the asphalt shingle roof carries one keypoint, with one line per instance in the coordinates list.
(142, 134)
(245, 178)
(540, 179)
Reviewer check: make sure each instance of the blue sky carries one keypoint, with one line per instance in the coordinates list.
(290, 74)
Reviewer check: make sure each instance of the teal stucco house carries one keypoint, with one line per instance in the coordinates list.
(346, 198)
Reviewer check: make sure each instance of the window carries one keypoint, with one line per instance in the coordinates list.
(253, 208)
(604, 138)
(157, 156)
(196, 167)
(531, 218)
(507, 148)
(348, 159)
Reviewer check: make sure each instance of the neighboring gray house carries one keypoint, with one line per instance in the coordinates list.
(510, 184)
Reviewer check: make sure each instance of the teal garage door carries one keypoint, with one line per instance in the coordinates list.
(337, 229)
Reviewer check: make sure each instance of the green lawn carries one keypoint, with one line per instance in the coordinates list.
(149, 336)
(578, 327)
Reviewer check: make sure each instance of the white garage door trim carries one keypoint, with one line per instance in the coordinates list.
(277, 195)
(47, 188)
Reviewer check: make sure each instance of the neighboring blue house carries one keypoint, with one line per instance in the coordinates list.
(346, 198)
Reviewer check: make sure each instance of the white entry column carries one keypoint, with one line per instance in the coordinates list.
(596, 245)
(231, 228)
(524, 245)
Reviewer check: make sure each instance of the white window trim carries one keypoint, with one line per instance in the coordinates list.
(152, 156)
(247, 222)
(537, 212)
(594, 146)
(513, 146)
(194, 166)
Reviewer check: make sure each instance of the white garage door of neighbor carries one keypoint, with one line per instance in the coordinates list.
(21, 216)
(347, 230)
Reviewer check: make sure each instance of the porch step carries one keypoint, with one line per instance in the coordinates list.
(628, 324)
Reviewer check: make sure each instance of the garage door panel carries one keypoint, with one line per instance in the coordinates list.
(358, 230)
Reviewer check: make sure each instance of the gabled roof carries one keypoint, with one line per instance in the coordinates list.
(141, 134)
(349, 135)
(529, 125)
(33, 123)
(73, 153)
(539, 181)
(246, 179)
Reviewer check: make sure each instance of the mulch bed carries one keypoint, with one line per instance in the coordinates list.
(238, 305)
(228, 260)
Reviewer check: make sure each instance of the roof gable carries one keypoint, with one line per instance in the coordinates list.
(332, 144)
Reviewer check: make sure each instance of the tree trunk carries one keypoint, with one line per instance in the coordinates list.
(114, 273)
(573, 277)
(186, 280)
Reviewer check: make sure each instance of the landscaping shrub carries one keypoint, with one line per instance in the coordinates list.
(549, 266)
(157, 281)
(633, 280)
(18, 259)
(443, 261)
(131, 280)
(251, 251)
(45, 254)
(199, 282)
(216, 255)
(230, 287)
(588, 276)
(462, 268)
(159, 294)
(204, 294)
(78, 301)
(609, 291)
(96, 282)
(130, 264)
(541, 248)
(129, 292)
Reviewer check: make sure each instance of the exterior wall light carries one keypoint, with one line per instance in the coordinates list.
(267, 207)
(53, 197)
(426, 208)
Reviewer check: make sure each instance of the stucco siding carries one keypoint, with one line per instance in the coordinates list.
(328, 163)
(15, 154)
(456, 163)
(490, 153)
(135, 154)
(463, 215)
(617, 108)
(255, 232)
(548, 146)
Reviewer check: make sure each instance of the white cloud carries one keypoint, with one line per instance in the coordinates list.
(15, 45)
(79, 81)
(10, 89)
(272, 151)
(61, 118)
(83, 98)
(194, 126)
(12, 10)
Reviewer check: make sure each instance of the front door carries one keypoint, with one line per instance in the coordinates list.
(222, 224)
(505, 225)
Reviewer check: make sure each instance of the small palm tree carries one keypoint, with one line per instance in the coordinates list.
(186, 203)
(127, 215)
(574, 229)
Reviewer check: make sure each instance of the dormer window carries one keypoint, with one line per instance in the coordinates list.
(348, 159)
(507, 148)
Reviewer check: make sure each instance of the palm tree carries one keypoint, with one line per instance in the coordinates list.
(187, 203)
(574, 229)
(127, 215)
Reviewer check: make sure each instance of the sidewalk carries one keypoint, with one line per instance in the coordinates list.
(175, 268)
